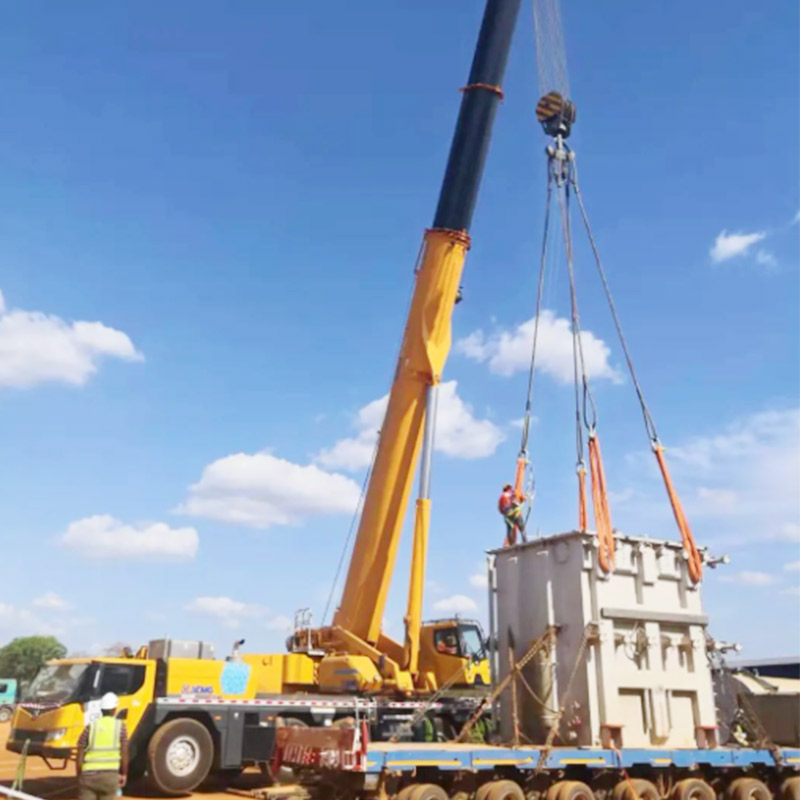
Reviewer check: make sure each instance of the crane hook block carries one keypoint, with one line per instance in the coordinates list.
(556, 114)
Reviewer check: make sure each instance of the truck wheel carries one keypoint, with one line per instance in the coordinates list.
(179, 756)
(428, 791)
(575, 790)
(642, 790)
(693, 789)
(504, 790)
(6, 712)
(748, 789)
(790, 788)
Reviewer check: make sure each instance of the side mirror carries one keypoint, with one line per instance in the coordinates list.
(122, 713)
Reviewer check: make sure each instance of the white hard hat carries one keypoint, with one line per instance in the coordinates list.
(109, 701)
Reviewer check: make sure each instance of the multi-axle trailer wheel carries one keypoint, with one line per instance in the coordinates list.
(606, 787)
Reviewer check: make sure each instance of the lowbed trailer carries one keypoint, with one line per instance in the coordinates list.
(342, 764)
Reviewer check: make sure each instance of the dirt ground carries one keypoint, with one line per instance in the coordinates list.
(43, 782)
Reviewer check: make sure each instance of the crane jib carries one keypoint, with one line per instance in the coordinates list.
(426, 342)
(478, 107)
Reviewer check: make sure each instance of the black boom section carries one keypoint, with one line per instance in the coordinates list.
(478, 107)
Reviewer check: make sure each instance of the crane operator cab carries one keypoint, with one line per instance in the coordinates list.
(448, 645)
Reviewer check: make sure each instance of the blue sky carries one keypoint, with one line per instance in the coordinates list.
(237, 194)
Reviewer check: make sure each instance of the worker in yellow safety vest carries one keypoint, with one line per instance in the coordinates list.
(102, 760)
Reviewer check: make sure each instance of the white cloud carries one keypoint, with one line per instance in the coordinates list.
(508, 352)
(220, 607)
(792, 566)
(356, 452)
(796, 219)
(479, 580)
(722, 500)
(51, 601)
(618, 498)
(751, 578)
(233, 613)
(280, 623)
(732, 245)
(226, 610)
(39, 348)
(748, 475)
(260, 490)
(20, 621)
(457, 604)
(788, 532)
(794, 591)
(458, 432)
(766, 258)
(101, 536)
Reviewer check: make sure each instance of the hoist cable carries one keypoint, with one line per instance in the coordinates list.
(648, 419)
(353, 521)
(551, 58)
(578, 368)
(693, 555)
(523, 450)
(584, 401)
(360, 505)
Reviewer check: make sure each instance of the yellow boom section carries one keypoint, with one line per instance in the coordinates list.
(426, 344)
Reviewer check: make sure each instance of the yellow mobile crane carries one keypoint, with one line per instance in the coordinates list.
(357, 655)
(191, 715)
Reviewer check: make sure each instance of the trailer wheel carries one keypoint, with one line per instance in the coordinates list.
(790, 788)
(179, 756)
(693, 789)
(405, 792)
(748, 789)
(6, 712)
(575, 790)
(503, 790)
(641, 790)
(428, 791)
(554, 790)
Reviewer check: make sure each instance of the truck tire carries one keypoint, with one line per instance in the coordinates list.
(6, 712)
(644, 790)
(428, 791)
(575, 790)
(790, 788)
(504, 790)
(748, 789)
(693, 789)
(179, 756)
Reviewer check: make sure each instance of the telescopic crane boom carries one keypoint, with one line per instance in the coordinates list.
(409, 423)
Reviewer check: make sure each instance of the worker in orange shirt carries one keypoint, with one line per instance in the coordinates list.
(511, 509)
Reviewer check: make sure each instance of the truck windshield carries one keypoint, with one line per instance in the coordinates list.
(472, 642)
(55, 683)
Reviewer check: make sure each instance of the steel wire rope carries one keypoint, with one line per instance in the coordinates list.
(694, 557)
(648, 419)
(360, 505)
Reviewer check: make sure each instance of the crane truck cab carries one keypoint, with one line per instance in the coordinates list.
(188, 714)
(448, 646)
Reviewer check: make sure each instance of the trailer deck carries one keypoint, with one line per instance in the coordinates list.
(405, 757)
